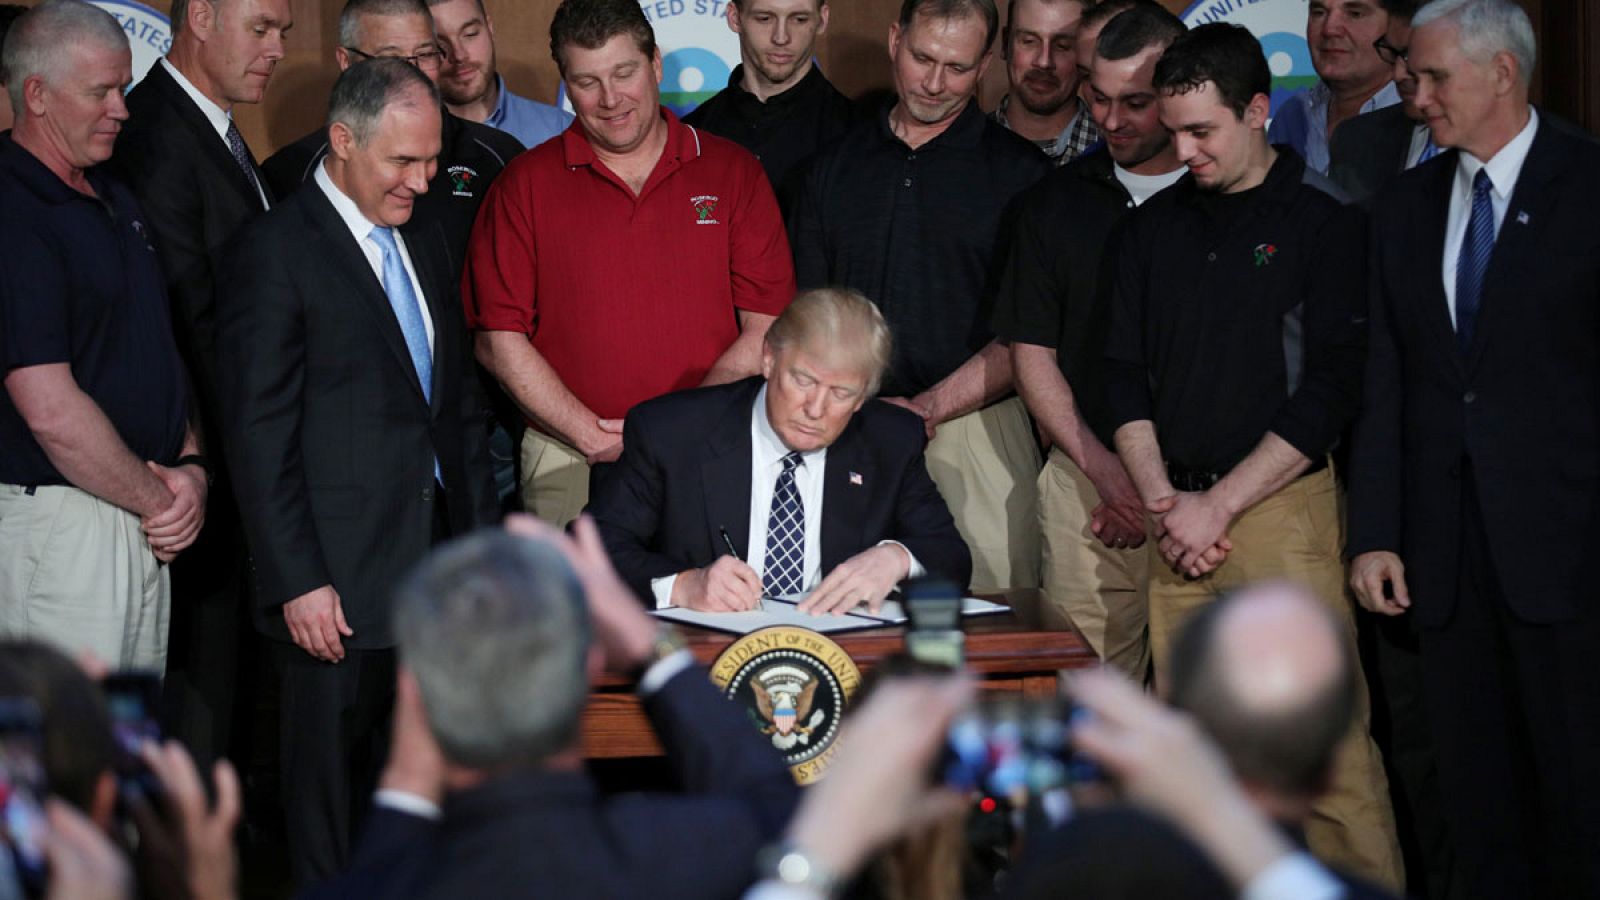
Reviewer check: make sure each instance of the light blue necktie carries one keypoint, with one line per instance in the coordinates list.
(1474, 259)
(403, 300)
(784, 567)
(1429, 150)
(408, 311)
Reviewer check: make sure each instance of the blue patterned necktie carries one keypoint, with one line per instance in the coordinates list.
(403, 299)
(1473, 262)
(784, 570)
(241, 155)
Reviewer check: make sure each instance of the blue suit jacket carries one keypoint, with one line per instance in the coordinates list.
(684, 473)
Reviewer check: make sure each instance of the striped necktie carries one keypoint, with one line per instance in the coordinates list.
(1474, 259)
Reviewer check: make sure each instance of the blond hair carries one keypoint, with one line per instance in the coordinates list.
(834, 321)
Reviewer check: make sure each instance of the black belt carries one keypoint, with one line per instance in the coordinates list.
(1184, 478)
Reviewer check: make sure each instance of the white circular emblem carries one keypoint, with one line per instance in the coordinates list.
(1280, 26)
(149, 32)
(698, 51)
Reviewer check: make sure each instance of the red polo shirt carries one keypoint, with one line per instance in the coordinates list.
(628, 297)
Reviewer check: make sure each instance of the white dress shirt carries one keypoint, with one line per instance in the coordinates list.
(361, 228)
(1504, 169)
(767, 451)
(219, 118)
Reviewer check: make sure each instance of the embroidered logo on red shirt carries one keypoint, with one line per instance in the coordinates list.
(705, 209)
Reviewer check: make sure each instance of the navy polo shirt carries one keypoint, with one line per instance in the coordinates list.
(81, 285)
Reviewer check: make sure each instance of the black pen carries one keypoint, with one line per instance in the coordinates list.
(728, 542)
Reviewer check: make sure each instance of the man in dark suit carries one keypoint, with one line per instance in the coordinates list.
(500, 637)
(1475, 496)
(803, 468)
(198, 184)
(1373, 147)
(353, 430)
(471, 155)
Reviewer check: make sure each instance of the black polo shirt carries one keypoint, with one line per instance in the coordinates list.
(920, 232)
(1238, 314)
(782, 132)
(81, 285)
(1056, 286)
(470, 156)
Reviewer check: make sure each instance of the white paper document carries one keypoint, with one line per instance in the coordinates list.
(782, 611)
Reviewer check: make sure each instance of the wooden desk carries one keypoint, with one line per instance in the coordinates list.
(1018, 651)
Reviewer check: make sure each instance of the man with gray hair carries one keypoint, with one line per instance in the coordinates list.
(793, 482)
(352, 430)
(500, 636)
(100, 481)
(1474, 497)
(471, 154)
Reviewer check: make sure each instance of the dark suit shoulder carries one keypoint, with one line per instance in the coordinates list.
(692, 412)
(294, 165)
(485, 142)
(1368, 128)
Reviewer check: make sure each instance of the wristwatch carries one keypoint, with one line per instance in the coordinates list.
(668, 640)
(789, 865)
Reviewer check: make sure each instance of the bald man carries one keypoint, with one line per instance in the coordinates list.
(1270, 674)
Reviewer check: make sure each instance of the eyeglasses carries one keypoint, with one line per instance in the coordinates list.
(427, 59)
(1389, 53)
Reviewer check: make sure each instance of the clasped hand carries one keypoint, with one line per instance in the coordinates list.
(1193, 528)
(172, 530)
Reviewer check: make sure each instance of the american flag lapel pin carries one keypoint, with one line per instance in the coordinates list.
(855, 479)
(1522, 217)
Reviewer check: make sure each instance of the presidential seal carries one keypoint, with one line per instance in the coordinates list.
(794, 685)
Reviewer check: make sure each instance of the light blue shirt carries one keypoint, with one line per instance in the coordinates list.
(529, 121)
(1302, 121)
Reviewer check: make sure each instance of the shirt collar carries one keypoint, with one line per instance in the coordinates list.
(1063, 141)
(789, 95)
(499, 114)
(768, 446)
(965, 131)
(350, 214)
(31, 172)
(1319, 95)
(683, 142)
(216, 115)
(1505, 167)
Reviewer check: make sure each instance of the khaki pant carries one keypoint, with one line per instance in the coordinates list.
(1297, 535)
(1103, 591)
(985, 463)
(555, 479)
(76, 572)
